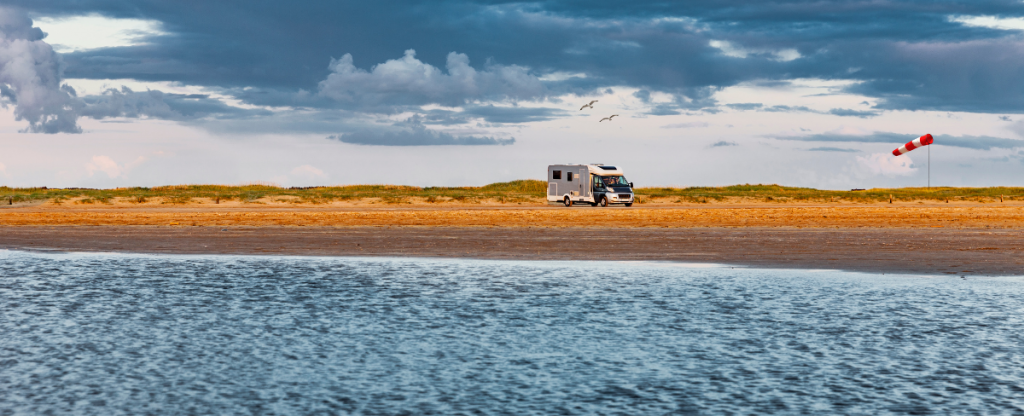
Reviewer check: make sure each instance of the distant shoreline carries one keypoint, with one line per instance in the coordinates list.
(524, 192)
(961, 252)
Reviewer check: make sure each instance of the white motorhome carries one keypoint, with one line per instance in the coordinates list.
(595, 184)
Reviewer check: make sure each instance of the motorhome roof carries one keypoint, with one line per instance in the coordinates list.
(594, 168)
(604, 170)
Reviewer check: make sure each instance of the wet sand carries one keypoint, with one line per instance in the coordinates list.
(963, 252)
(905, 237)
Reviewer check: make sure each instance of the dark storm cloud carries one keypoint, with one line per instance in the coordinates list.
(970, 142)
(406, 84)
(842, 112)
(489, 114)
(974, 76)
(845, 112)
(661, 45)
(745, 106)
(31, 76)
(788, 109)
(907, 54)
(157, 104)
(663, 110)
(444, 117)
(494, 114)
(287, 122)
(723, 143)
(416, 136)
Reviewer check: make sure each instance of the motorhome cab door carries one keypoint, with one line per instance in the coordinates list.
(584, 182)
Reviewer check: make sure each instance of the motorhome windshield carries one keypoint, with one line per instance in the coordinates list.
(614, 180)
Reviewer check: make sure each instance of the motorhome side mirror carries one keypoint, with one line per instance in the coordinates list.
(631, 184)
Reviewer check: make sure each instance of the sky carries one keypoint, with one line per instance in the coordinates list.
(105, 93)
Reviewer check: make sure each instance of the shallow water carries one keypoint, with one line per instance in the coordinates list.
(140, 334)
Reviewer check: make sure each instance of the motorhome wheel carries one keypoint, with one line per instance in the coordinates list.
(568, 202)
(604, 201)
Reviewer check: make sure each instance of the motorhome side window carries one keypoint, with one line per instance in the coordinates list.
(568, 176)
(556, 174)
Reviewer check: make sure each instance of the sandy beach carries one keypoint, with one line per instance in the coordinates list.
(965, 252)
(964, 239)
(789, 215)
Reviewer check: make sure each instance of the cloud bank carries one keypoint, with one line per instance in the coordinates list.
(31, 75)
(409, 81)
(958, 55)
(414, 133)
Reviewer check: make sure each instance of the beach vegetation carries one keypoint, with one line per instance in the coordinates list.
(516, 192)
(780, 194)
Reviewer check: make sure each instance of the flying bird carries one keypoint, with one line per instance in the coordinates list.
(609, 118)
(591, 105)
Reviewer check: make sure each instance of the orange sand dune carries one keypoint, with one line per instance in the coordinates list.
(783, 216)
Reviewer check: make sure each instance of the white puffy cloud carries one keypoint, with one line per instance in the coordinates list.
(30, 76)
(3, 170)
(886, 164)
(103, 164)
(409, 81)
(108, 166)
(308, 172)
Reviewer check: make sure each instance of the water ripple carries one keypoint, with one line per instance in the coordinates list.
(111, 334)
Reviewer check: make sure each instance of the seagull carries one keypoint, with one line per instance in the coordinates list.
(609, 118)
(591, 105)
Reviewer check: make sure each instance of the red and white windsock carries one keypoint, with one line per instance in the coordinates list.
(918, 142)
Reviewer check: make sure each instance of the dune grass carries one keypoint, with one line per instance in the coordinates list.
(523, 190)
(506, 192)
(779, 193)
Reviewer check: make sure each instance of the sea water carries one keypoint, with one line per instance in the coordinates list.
(109, 334)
